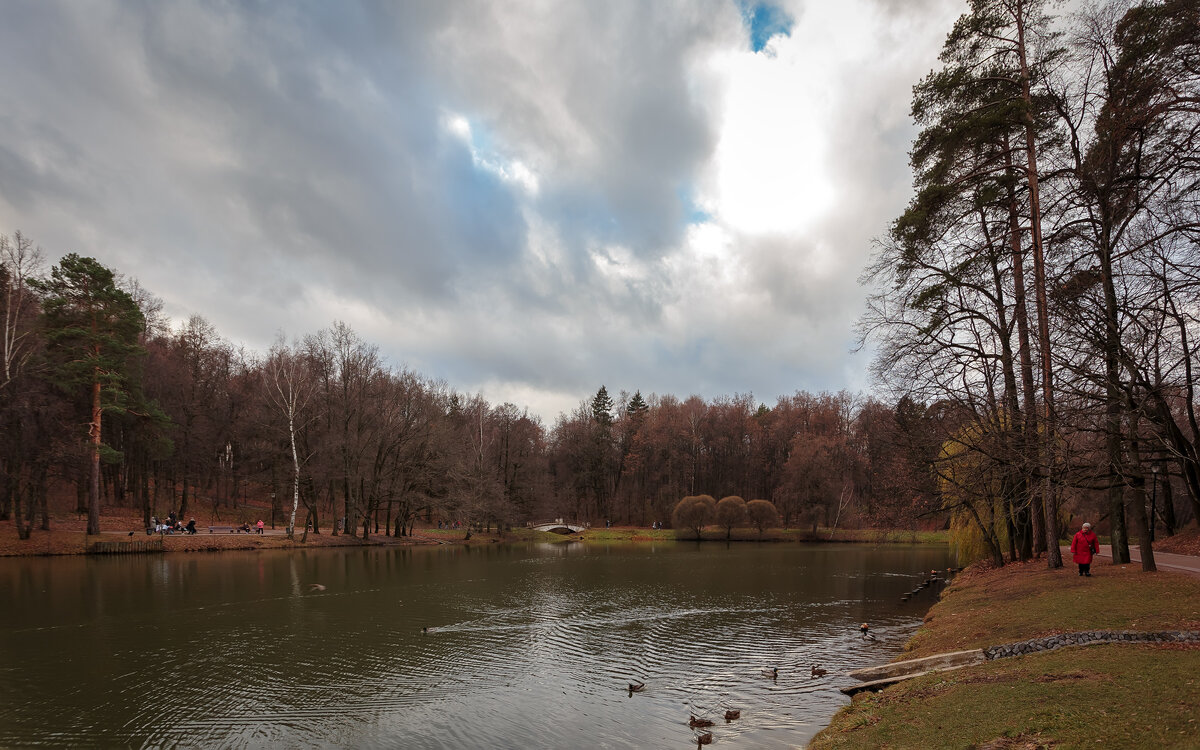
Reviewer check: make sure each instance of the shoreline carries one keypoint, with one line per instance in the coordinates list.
(67, 538)
(1047, 698)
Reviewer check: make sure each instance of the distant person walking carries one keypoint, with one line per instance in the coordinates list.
(1083, 546)
(260, 526)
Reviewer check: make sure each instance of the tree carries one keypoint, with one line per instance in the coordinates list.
(730, 512)
(19, 260)
(91, 329)
(694, 512)
(762, 515)
(289, 389)
(600, 463)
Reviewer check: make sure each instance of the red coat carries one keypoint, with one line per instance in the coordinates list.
(1083, 546)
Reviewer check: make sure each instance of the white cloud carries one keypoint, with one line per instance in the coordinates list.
(501, 194)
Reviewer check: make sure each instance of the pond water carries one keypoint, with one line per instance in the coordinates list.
(528, 645)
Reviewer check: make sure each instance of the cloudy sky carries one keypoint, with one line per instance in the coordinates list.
(525, 199)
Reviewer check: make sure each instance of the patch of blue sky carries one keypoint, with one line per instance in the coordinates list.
(692, 213)
(763, 21)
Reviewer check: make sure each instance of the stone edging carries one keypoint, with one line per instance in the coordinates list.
(1086, 637)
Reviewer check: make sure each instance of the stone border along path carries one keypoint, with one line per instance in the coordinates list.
(889, 674)
(1086, 637)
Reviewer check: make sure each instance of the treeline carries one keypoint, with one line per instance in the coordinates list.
(1042, 288)
(100, 393)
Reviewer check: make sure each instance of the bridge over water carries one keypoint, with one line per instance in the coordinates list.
(558, 526)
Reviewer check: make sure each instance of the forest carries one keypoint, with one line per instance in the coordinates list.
(1040, 289)
(101, 393)
(1031, 314)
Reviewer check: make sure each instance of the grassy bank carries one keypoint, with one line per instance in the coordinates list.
(860, 536)
(67, 537)
(1112, 695)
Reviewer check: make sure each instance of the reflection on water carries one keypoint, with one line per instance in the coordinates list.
(527, 645)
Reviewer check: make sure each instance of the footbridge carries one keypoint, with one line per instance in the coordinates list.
(558, 526)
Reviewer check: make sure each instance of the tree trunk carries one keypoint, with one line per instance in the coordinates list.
(93, 524)
(291, 529)
(1168, 504)
(1049, 499)
(1137, 491)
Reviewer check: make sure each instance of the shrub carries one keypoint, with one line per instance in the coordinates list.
(762, 514)
(694, 512)
(731, 511)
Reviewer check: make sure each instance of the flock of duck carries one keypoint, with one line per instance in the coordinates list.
(705, 737)
(931, 579)
(697, 723)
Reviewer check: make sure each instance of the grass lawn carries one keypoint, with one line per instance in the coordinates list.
(712, 533)
(1113, 696)
(1016, 602)
(1120, 696)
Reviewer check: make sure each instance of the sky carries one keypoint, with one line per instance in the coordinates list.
(524, 199)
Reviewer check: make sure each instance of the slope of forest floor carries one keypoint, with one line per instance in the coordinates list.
(1186, 542)
(1115, 695)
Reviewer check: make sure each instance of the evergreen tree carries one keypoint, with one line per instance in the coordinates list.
(91, 328)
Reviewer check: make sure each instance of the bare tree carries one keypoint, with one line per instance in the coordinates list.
(289, 388)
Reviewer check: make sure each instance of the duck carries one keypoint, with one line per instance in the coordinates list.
(865, 630)
(732, 714)
(704, 739)
(315, 587)
(694, 722)
(772, 673)
(818, 672)
(637, 686)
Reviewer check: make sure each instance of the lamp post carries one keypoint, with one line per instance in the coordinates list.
(1153, 498)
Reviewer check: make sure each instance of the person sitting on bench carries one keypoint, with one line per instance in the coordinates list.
(191, 526)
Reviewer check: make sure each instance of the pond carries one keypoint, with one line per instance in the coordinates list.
(527, 645)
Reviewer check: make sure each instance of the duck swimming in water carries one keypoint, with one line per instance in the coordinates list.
(772, 673)
(818, 672)
(732, 714)
(637, 686)
(704, 739)
(699, 722)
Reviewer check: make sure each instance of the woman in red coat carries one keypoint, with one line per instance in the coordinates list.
(1083, 546)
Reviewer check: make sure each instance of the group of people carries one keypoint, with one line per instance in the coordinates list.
(172, 525)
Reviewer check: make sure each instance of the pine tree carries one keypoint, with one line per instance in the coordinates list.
(91, 329)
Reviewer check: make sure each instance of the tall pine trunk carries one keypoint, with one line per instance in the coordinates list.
(93, 523)
(1049, 498)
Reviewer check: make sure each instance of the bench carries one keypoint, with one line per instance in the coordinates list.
(222, 529)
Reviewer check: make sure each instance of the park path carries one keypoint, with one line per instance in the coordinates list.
(1188, 564)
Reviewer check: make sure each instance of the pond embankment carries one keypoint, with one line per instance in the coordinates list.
(66, 537)
(1133, 693)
